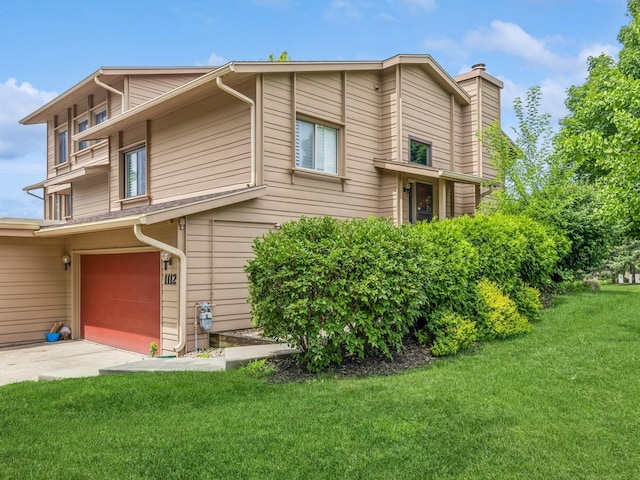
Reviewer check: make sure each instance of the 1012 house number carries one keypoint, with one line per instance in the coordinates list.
(170, 278)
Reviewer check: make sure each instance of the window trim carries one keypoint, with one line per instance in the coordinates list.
(339, 141)
(124, 184)
(429, 145)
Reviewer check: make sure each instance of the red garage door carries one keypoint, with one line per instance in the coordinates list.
(120, 300)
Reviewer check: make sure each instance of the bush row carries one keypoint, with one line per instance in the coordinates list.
(357, 287)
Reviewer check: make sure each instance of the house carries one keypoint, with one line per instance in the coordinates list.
(159, 179)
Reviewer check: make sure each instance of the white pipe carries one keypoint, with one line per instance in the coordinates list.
(111, 89)
(182, 282)
(245, 99)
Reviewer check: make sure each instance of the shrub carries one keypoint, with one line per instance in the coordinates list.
(512, 249)
(498, 315)
(449, 333)
(332, 288)
(527, 300)
(450, 264)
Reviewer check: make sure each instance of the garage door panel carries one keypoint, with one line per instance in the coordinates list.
(120, 303)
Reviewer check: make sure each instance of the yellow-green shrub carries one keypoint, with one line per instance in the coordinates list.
(448, 333)
(498, 315)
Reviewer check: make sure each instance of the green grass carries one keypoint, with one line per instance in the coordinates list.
(559, 403)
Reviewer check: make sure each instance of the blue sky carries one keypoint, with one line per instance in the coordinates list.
(47, 46)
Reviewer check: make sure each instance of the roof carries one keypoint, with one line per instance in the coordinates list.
(150, 214)
(202, 85)
(112, 74)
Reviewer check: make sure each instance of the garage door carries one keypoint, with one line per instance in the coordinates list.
(120, 300)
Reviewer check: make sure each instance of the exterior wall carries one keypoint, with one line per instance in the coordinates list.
(143, 88)
(33, 288)
(90, 196)
(200, 148)
(426, 113)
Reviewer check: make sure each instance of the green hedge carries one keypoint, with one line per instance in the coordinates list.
(332, 288)
(336, 288)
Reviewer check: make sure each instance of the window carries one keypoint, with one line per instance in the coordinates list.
(81, 127)
(62, 147)
(99, 117)
(135, 172)
(420, 152)
(316, 147)
(62, 205)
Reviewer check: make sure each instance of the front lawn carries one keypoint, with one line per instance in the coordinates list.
(559, 403)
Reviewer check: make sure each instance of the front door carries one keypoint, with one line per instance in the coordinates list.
(424, 202)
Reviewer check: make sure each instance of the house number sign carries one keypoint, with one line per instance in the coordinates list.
(170, 278)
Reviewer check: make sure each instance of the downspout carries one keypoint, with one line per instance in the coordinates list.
(245, 99)
(182, 290)
(111, 89)
(34, 195)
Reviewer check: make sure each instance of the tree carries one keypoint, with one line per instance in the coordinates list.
(536, 182)
(600, 137)
(284, 57)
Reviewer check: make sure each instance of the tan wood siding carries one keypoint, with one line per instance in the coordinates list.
(90, 197)
(389, 116)
(232, 247)
(200, 147)
(143, 88)
(425, 115)
(33, 286)
(320, 95)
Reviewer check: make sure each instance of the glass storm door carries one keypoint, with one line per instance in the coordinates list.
(424, 202)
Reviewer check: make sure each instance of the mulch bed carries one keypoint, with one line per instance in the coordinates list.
(412, 356)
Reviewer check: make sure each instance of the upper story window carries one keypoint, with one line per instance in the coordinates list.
(99, 117)
(420, 152)
(135, 172)
(316, 147)
(62, 152)
(81, 126)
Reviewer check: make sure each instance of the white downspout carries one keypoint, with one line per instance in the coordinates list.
(245, 99)
(182, 282)
(111, 89)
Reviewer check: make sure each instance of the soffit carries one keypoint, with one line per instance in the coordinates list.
(429, 172)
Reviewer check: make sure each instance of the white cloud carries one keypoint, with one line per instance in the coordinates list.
(22, 148)
(18, 100)
(214, 60)
(512, 39)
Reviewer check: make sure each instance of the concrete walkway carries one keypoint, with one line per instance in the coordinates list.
(81, 358)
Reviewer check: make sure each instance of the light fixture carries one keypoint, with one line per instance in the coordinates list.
(66, 261)
(406, 188)
(166, 258)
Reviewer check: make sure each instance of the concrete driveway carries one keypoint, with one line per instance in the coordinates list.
(63, 359)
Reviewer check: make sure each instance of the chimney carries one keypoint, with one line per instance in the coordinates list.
(479, 66)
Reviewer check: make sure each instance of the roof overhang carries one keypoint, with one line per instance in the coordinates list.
(430, 172)
(18, 227)
(202, 86)
(156, 216)
(87, 85)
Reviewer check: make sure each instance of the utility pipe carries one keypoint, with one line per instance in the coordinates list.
(111, 89)
(245, 99)
(182, 285)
